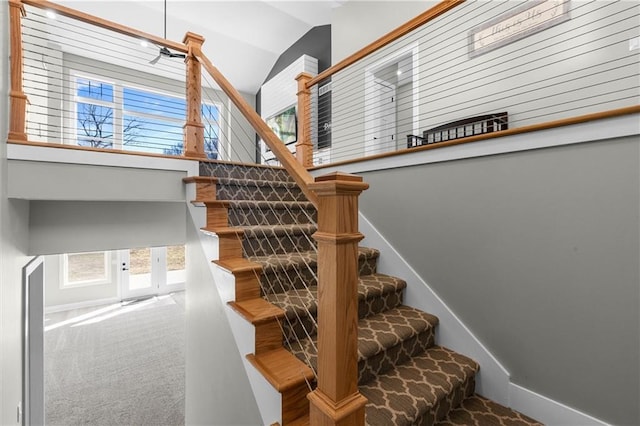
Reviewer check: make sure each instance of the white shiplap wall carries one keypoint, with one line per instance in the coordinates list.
(279, 93)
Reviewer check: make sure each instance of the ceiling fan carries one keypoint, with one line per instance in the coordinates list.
(163, 50)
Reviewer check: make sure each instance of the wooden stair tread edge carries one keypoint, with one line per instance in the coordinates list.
(239, 264)
(200, 179)
(281, 368)
(224, 231)
(258, 310)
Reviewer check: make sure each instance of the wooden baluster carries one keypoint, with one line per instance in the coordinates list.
(304, 147)
(193, 128)
(336, 401)
(18, 99)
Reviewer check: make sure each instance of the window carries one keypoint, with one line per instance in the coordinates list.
(83, 269)
(95, 107)
(114, 115)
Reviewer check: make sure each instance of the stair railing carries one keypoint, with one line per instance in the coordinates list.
(538, 64)
(335, 196)
(336, 399)
(33, 67)
(307, 83)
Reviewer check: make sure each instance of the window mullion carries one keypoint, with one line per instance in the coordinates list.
(118, 125)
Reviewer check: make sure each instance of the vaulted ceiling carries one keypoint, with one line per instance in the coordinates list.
(244, 38)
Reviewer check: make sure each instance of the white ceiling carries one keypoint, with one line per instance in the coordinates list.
(243, 38)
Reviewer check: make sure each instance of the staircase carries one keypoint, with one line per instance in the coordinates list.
(264, 225)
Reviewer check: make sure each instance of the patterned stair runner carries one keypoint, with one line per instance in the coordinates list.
(406, 377)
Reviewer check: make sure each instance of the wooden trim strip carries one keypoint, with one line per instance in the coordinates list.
(634, 109)
(423, 18)
(104, 23)
(299, 173)
(103, 150)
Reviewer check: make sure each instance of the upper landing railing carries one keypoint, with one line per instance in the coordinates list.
(443, 77)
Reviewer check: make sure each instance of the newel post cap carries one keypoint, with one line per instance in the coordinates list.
(338, 183)
(193, 38)
(305, 76)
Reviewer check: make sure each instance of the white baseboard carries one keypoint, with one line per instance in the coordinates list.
(80, 305)
(547, 411)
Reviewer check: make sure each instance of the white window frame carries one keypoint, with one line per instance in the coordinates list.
(64, 272)
(79, 99)
(118, 106)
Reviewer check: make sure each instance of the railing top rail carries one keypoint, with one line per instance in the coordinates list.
(423, 18)
(300, 174)
(104, 23)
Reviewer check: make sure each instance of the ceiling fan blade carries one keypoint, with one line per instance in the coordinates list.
(155, 60)
(177, 55)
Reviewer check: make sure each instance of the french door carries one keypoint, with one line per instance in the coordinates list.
(151, 271)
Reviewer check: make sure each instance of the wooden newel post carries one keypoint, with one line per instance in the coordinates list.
(336, 401)
(304, 147)
(18, 99)
(193, 128)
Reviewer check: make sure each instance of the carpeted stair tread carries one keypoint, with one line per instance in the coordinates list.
(274, 262)
(422, 390)
(380, 340)
(260, 231)
(261, 204)
(247, 189)
(244, 171)
(304, 301)
(480, 411)
(255, 182)
(264, 213)
(260, 240)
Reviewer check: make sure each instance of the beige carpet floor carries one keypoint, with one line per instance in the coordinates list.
(120, 364)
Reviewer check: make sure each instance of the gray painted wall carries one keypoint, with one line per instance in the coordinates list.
(36, 180)
(537, 253)
(316, 43)
(55, 295)
(217, 388)
(358, 23)
(77, 226)
(14, 216)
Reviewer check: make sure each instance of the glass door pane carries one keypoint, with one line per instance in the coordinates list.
(139, 268)
(176, 268)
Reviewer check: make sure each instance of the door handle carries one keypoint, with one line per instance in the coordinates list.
(124, 266)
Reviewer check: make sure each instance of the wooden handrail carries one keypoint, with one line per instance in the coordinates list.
(299, 173)
(633, 109)
(104, 23)
(423, 18)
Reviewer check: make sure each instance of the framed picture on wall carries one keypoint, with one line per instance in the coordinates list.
(285, 125)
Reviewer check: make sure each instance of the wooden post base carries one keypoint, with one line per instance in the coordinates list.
(325, 412)
(194, 140)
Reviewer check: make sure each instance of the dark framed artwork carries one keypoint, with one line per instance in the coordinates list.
(285, 125)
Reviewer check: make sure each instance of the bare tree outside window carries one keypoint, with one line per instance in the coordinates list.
(95, 127)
